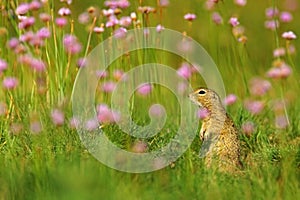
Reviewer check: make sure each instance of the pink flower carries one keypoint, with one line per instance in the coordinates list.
(84, 18)
(108, 86)
(36, 41)
(106, 115)
(281, 122)
(91, 124)
(61, 22)
(120, 32)
(210, 4)
(45, 17)
(144, 89)
(202, 113)
(22, 9)
(271, 12)
(159, 28)
(279, 52)
(74, 123)
(71, 44)
(103, 109)
(43, 33)
(259, 87)
(36, 126)
(98, 29)
(164, 3)
(37, 65)
(117, 3)
(3, 65)
(108, 12)
(234, 21)
(27, 36)
(123, 4)
(139, 147)
(254, 107)
(57, 117)
(285, 71)
(101, 73)
(64, 11)
(272, 24)
(248, 128)
(10, 83)
(217, 19)
(286, 17)
(26, 22)
(240, 2)
(190, 16)
(69, 40)
(282, 71)
(13, 43)
(35, 5)
(81, 62)
(125, 21)
(113, 21)
(290, 35)
(230, 99)
(156, 110)
(185, 71)
(274, 72)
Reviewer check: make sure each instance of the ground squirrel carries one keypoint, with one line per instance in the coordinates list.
(221, 146)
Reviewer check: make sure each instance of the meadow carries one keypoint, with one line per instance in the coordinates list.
(43, 45)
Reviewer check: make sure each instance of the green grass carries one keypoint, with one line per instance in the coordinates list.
(54, 164)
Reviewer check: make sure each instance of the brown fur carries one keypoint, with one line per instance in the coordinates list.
(218, 132)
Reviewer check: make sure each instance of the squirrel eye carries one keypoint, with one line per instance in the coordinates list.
(202, 92)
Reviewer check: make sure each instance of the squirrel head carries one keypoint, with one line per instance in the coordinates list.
(206, 98)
